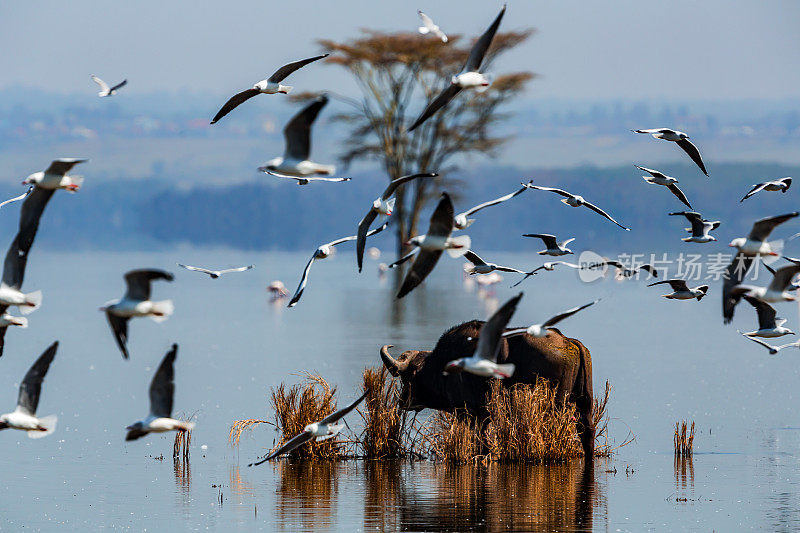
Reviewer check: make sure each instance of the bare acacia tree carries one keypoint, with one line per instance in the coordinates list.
(396, 72)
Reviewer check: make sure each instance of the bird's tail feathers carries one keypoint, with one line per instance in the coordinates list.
(23, 322)
(649, 179)
(285, 89)
(184, 426)
(459, 245)
(162, 310)
(48, 425)
(32, 302)
(73, 183)
(505, 371)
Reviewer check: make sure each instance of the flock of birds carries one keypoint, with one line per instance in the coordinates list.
(426, 251)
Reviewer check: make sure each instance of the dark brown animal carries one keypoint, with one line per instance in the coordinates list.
(564, 362)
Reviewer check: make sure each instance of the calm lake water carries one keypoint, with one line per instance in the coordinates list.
(666, 360)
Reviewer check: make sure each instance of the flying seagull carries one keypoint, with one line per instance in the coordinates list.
(549, 267)
(304, 180)
(469, 78)
(429, 27)
(55, 176)
(24, 416)
(383, 205)
(782, 185)
(18, 198)
(105, 90)
(297, 134)
(768, 325)
(136, 302)
(772, 349)
(271, 85)
(215, 273)
(554, 248)
(622, 270)
(322, 430)
(462, 220)
(479, 266)
(321, 253)
(776, 291)
(681, 291)
(573, 200)
(484, 361)
(657, 178)
(10, 294)
(755, 243)
(701, 228)
(679, 138)
(162, 391)
(540, 330)
(432, 244)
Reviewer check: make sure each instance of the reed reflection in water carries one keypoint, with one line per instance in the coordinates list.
(423, 496)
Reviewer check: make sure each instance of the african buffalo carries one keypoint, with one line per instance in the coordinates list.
(563, 361)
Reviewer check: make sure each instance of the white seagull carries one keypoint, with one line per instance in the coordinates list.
(271, 85)
(429, 27)
(432, 244)
(769, 326)
(772, 349)
(484, 361)
(681, 291)
(657, 178)
(215, 273)
(322, 430)
(540, 330)
(105, 90)
(297, 135)
(383, 205)
(782, 185)
(622, 270)
(679, 138)
(304, 180)
(549, 267)
(462, 220)
(469, 78)
(701, 228)
(479, 266)
(776, 291)
(323, 252)
(55, 176)
(755, 243)
(574, 200)
(554, 248)
(162, 391)
(24, 416)
(136, 302)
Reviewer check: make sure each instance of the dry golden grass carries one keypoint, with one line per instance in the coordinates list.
(526, 423)
(183, 439)
(384, 421)
(684, 440)
(240, 426)
(304, 404)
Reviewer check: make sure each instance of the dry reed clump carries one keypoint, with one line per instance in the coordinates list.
(684, 440)
(525, 423)
(183, 439)
(304, 404)
(384, 421)
(240, 426)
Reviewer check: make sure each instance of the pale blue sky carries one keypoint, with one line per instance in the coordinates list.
(633, 49)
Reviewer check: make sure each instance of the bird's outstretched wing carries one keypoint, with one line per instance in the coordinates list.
(281, 74)
(679, 195)
(31, 386)
(138, 282)
(18, 198)
(294, 443)
(436, 104)
(119, 327)
(237, 269)
(549, 240)
(394, 184)
(120, 85)
(603, 213)
(361, 236)
(757, 187)
(405, 258)
(762, 228)
(693, 152)
(195, 269)
(733, 276)
(103, 85)
(341, 413)
(162, 387)
(234, 102)
(303, 280)
(482, 45)
(496, 201)
(562, 192)
(61, 166)
(297, 132)
(766, 313)
(492, 330)
(566, 314)
(676, 284)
